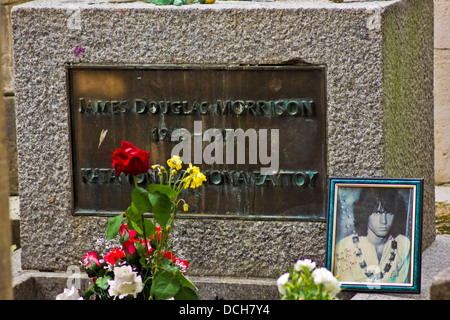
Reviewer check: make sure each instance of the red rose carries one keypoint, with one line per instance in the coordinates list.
(113, 255)
(90, 258)
(130, 160)
(131, 233)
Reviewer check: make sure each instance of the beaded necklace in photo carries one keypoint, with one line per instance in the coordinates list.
(370, 274)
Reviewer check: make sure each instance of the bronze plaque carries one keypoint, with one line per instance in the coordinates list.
(258, 134)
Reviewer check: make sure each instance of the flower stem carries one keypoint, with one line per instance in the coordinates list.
(142, 218)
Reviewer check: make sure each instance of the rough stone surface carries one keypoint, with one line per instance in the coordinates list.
(11, 145)
(407, 154)
(7, 91)
(440, 287)
(373, 89)
(259, 249)
(442, 89)
(442, 111)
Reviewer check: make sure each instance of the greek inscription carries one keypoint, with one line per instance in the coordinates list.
(284, 178)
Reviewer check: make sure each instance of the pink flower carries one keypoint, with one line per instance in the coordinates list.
(129, 247)
(89, 258)
(124, 228)
(181, 264)
(113, 255)
(79, 51)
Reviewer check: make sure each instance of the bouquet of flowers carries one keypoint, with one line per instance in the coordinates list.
(306, 282)
(142, 266)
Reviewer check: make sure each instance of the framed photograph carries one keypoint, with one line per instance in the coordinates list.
(375, 233)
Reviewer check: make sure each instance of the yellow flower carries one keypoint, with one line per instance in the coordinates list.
(187, 182)
(175, 162)
(197, 180)
(193, 170)
(185, 207)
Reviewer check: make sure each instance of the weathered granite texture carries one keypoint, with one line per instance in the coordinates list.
(440, 287)
(379, 72)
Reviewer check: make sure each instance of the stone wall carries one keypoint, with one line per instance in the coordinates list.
(405, 149)
(442, 89)
(362, 45)
(7, 91)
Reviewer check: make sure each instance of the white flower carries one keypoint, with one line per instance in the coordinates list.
(324, 277)
(304, 263)
(126, 282)
(281, 283)
(69, 294)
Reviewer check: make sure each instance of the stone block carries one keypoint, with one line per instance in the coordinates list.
(6, 48)
(442, 88)
(442, 27)
(442, 114)
(11, 144)
(442, 141)
(441, 79)
(379, 99)
(440, 286)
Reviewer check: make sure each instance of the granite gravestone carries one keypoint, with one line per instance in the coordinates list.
(374, 119)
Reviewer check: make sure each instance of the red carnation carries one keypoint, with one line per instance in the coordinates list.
(113, 255)
(169, 255)
(130, 160)
(181, 264)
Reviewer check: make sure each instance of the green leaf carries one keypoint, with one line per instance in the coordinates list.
(161, 207)
(132, 213)
(185, 282)
(150, 228)
(140, 199)
(113, 226)
(103, 282)
(140, 247)
(87, 295)
(129, 213)
(162, 188)
(186, 294)
(137, 226)
(134, 219)
(165, 285)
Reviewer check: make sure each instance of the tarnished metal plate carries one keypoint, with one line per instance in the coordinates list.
(149, 105)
